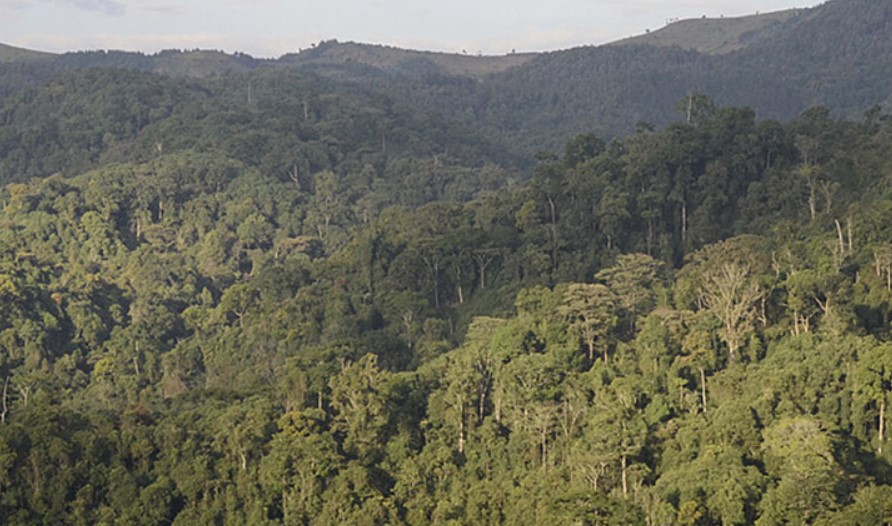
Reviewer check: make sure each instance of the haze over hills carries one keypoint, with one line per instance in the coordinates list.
(836, 55)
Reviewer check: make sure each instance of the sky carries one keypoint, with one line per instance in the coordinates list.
(271, 28)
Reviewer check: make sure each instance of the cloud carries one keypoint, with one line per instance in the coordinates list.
(14, 5)
(107, 7)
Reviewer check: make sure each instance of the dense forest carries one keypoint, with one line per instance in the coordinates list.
(273, 297)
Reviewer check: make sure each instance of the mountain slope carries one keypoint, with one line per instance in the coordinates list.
(838, 55)
(15, 54)
(715, 36)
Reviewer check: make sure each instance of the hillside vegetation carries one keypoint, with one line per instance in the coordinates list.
(715, 36)
(15, 54)
(834, 55)
(242, 303)
(328, 294)
(394, 59)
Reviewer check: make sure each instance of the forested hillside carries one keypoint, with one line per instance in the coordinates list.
(271, 298)
(834, 55)
(292, 292)
(715, 35)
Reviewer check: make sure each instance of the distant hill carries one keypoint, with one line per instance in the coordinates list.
(715, 36)
(175, 63)
(838, 55)
(15, 54)
(396, 59)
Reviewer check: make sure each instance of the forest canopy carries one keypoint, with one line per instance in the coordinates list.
(274, 298)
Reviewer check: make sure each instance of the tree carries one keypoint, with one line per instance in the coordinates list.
(359, 397)
(635, 280)
(731, 295)
(698, 352)
(613, 215)
(697, 108)
(724, 280)
(873, 377)
(591, 311)
(617, 430)
(581, 148)
(548, 182)
(798, 454)
(301, 463)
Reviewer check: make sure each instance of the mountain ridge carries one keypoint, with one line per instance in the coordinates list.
(836, 55)
(387, 57)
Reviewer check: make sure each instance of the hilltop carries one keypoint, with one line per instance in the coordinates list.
(715, 36)
(390, 58)
(16, 54)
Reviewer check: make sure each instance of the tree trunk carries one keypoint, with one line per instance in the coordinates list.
(842, 245)
(543, 436)
(25, 392)
(703, 388)
(5, 406)
(482, 276)
(461, 427)
(437, 286)
(294, 175)
(812, 200)
(625, 476)
(458, 288)
(481, 406)
(882, 424)
(553, 234)
(136, 359)
(483, 261)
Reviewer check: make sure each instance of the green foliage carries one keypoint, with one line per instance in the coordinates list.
(250, 325)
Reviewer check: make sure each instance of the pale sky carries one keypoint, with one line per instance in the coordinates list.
(270, 28)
